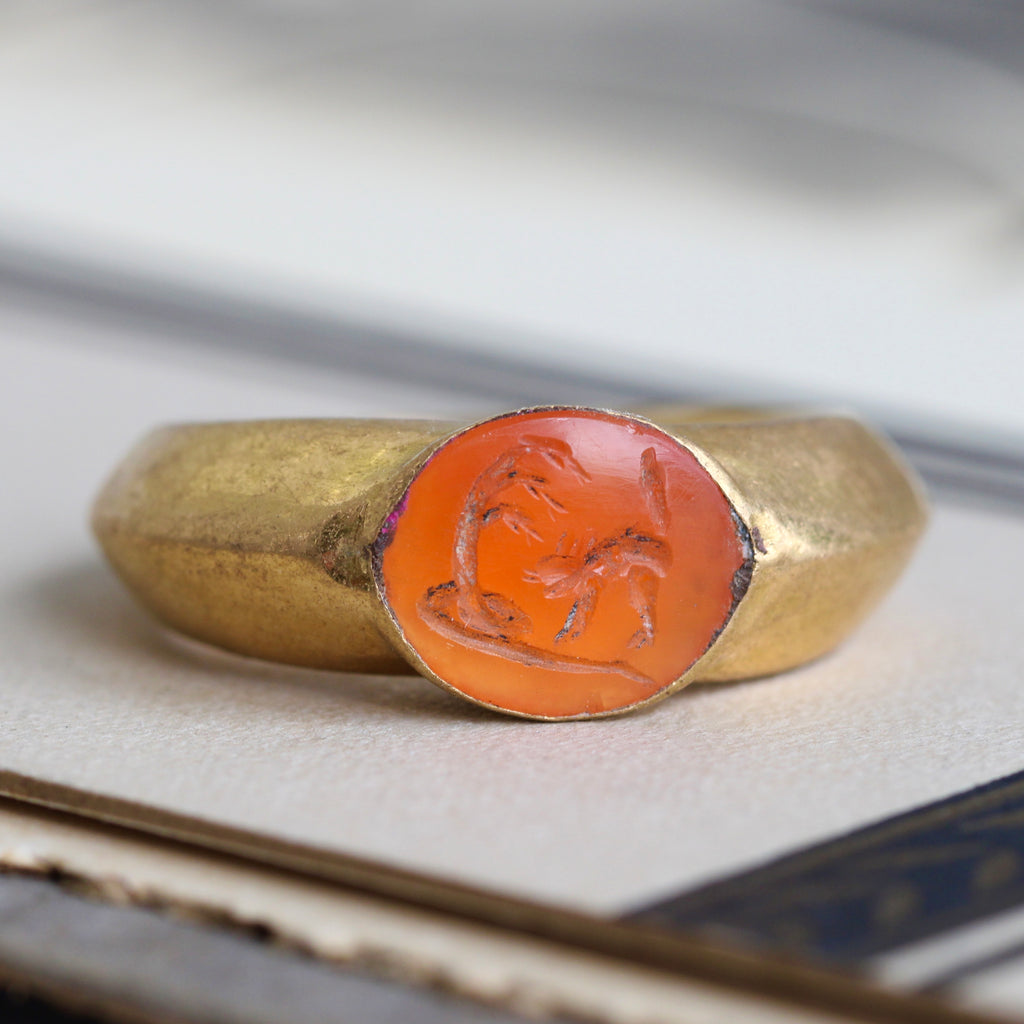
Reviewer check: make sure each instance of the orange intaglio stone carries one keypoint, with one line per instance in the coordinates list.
(562, 562)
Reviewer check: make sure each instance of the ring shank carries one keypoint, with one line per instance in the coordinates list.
(256, 536)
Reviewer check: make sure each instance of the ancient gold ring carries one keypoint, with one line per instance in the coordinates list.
(553, 563)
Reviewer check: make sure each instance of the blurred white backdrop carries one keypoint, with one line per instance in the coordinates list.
(787, 199)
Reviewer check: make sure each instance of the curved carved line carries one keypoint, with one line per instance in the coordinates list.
(526, 654)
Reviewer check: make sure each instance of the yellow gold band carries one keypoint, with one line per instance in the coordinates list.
(265, 537)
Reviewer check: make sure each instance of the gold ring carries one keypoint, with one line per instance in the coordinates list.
(552, 563)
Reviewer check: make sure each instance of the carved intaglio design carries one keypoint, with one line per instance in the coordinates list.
(520, 485)
(560, 562)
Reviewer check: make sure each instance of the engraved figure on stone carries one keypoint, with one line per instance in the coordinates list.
(580, 568)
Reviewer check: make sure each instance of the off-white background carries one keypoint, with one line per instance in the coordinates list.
(603, 815)
(816, 199)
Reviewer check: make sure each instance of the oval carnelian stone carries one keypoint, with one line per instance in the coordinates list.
(562, 562)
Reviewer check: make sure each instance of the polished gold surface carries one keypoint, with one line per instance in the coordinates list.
(258, 536)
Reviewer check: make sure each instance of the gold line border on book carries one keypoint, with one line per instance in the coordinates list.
(770, 976)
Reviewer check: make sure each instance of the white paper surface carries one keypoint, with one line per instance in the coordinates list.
(924, 700)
